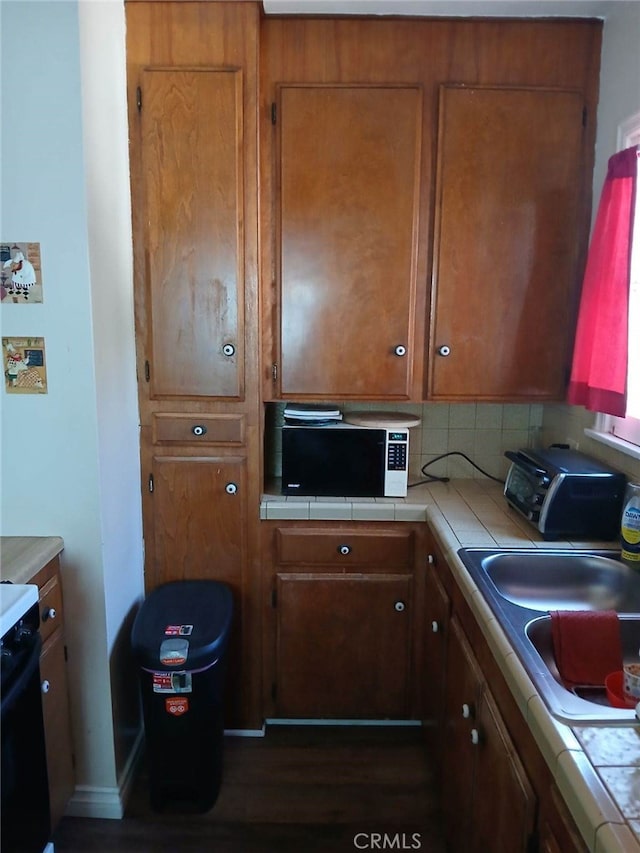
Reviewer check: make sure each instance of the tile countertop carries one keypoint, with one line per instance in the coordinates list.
(596, 768)
(21, 557)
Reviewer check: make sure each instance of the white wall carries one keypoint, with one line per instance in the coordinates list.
(70, 458)
(619, 82)
(106, 151)
(619, 98)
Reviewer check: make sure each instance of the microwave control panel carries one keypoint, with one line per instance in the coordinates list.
(397, 463)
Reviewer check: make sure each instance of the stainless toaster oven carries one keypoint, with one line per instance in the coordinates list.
(565, 493)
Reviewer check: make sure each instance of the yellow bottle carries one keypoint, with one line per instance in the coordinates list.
(630, 526)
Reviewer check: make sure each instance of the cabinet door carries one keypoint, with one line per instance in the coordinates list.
(503, 810)
(199, 531)
(506, 242)
(558, 831)
(348, 215)
(198, 519)
(55, 710)
(192, 312)
(462, 697)
(436, 627)
(343, 645)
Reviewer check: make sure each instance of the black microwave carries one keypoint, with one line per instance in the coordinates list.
(343, 460)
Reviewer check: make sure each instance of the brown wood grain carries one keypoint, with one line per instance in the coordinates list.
(347, 212)
(504, 806)
(558, 54)
(192, 150)
(57, 722)
(193, 147)
(362, 631)
(437, 609)
(389, 550)
(342, 647)
(298, 789)
(200, 533)
(463, 687)
(505, 268)
(56, 702)
(209, 51)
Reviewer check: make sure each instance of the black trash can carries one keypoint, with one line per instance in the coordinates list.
(179, 639)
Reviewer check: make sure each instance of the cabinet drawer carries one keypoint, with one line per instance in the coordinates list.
(50, 607)
(198, 429)
(345, 548)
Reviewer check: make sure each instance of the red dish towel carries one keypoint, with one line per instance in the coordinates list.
(587, 645)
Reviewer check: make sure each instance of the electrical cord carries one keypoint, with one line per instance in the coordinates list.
(432, 478)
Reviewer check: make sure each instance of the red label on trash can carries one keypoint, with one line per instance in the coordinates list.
(162, 682)
(178, 630)
(176, 705)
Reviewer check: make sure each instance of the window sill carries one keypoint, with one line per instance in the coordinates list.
(615, 442)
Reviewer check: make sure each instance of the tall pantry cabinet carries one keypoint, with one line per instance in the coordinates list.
(192, 84)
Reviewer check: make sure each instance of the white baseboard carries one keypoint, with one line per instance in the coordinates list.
(94, 801)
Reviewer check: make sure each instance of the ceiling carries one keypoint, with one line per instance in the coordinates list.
(451, 8)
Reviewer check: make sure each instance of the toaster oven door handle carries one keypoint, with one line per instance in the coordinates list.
(522, 460)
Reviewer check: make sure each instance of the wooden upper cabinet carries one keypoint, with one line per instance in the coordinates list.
(348, 200)
(508, 212)
(191, 125)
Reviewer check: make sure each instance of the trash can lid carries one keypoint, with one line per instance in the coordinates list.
(183, 625)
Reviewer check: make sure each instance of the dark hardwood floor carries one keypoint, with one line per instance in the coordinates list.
(314, 789)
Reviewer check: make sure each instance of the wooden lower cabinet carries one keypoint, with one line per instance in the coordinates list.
(437, 610)
(55, 690)
(340, 621)
(343, 645)
(196, 527)
(488, 801)
(498, 793)
(558, 833)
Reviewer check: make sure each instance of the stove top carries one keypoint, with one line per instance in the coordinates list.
(15, 600)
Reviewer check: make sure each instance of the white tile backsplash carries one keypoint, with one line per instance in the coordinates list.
(482, 431)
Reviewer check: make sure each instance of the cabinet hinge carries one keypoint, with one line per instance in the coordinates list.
(274, 113)
(274, 372)
(139, 99)
(147, 371)
(584, 116)
(274, 598)
(151, 483)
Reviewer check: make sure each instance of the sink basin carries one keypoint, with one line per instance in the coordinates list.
(546, 581)
(522, 586)
(538, 633)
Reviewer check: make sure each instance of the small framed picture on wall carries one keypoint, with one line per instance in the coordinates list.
(20, 273)
(25, 370)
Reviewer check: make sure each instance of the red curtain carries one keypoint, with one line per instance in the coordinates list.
(599, 371)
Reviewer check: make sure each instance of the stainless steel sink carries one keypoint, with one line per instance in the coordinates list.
(563, 581)
(520, 585)
(538, 633)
